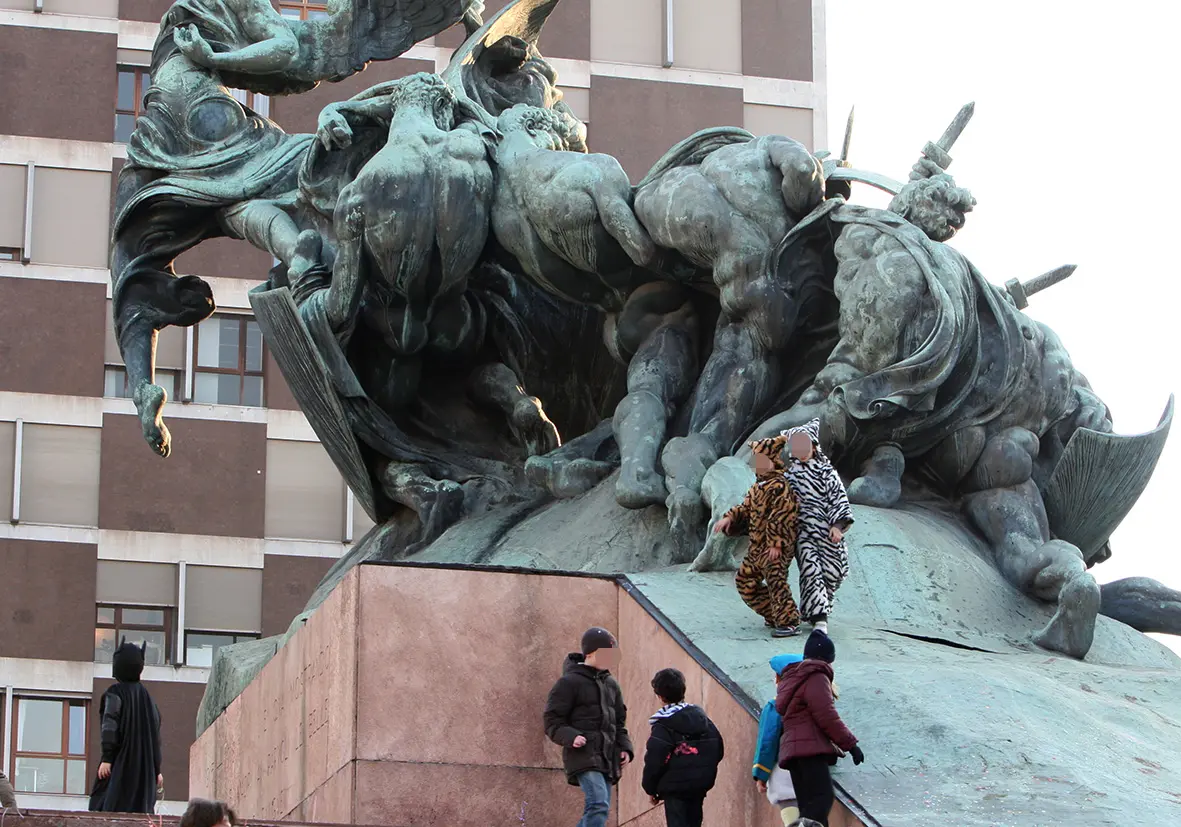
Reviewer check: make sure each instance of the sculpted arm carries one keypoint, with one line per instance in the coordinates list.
(273, 45)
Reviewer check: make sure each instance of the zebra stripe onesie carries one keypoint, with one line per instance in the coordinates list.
(823, 504)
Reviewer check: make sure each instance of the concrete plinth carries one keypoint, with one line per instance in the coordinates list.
(413, 696)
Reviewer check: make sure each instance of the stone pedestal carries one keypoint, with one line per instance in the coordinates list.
(413, 696)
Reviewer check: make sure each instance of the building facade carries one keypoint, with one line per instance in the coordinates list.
(227, 538)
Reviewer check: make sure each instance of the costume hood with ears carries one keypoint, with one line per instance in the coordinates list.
(128, 661)
(812, 430)
(772, 448)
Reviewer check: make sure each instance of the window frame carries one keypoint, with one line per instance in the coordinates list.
(239, 637)
(244, 320)
(65, 756)
(177, 377)
(13, 254)
(139, 89)
(125, 630)
(304, 7)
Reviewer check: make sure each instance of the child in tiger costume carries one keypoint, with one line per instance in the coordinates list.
(769, 515)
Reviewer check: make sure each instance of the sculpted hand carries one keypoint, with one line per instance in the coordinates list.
(579, 742)
(722, 525)
(835, 534)
(773, 553)
(333, 131)
(193, 46)
(925, 168)
(104, 771)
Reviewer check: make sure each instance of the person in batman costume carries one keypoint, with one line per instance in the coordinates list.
(129, 774)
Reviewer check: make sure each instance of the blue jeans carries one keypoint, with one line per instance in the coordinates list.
(598, 799)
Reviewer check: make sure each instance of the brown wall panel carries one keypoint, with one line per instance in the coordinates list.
(47, 601)
(777, 38)
(227, 258)
(214, 482)
(287, 583)
(566, 34)
(73, 70)
(147, 11)
(39, 351)
(278, 393)
(299, 113)
(637, 121)
(178, 703)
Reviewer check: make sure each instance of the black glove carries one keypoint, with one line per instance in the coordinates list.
(858, 755)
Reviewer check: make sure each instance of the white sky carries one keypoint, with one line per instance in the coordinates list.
(1073, 156)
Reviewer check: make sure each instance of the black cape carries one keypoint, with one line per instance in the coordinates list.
(131, 745)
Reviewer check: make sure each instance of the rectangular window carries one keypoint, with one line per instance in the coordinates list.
(201, 647)
(133, 83)
(115, 383)
(303, 9)
(148, 624)
(10, 254)
(49, 746)
(261, 104)
(229, 355)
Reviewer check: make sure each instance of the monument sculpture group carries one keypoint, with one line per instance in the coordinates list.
(478, 315)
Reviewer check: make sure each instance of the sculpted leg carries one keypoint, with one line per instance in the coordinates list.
(736, 382)
(1013, 520)
(659, 378)
(138, 344)
(497, 385)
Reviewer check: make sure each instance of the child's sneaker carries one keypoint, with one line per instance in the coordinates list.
(785, 631)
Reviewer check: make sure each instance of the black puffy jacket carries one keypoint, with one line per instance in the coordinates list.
(683, 753)
(588, 702)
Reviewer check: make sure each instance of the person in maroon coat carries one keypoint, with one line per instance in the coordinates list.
(814, 735)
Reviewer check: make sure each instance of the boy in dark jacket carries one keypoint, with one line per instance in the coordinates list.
(814, 735)
(586, 716)
(684, 750)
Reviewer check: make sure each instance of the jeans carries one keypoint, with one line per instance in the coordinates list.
(684, 812)
(813, 783)
(598, 799)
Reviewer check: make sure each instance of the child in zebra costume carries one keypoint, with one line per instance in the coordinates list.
(825, 516)
(768, 514)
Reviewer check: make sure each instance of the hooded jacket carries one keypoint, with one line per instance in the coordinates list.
(683, 753)
(821, 493)
(811, 725)
(130, 734)
(769, 512)
(589, 702)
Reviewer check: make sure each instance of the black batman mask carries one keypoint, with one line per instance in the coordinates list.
(128, 661)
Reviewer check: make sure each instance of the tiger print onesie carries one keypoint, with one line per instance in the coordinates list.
(823, 503)
(768, 514)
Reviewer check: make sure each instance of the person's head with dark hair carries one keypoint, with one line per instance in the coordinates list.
(205, 813)
(669, 685)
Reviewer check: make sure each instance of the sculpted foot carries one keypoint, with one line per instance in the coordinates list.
(639, 487)
(1072, 629)
(880, 483)
(149, 400)
(532, 428)
(566, 479)
(441, 509)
